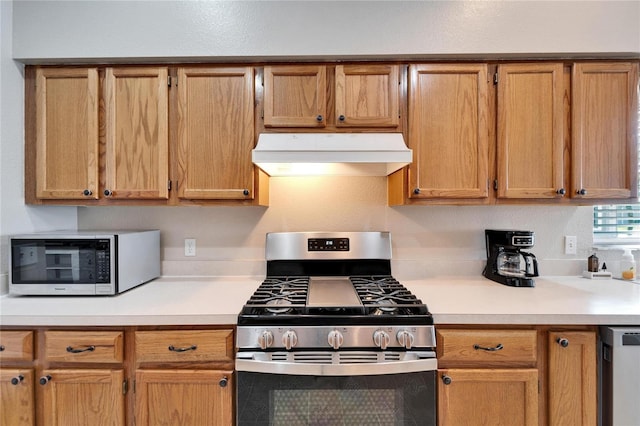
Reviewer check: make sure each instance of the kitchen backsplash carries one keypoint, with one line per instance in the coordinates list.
(427, 241)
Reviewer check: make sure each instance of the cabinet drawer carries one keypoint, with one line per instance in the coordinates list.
(184, 346)
(16, 345)
(486, 347)
(84, 346)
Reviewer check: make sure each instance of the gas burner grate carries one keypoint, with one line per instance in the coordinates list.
(384, 295)
(279, 294)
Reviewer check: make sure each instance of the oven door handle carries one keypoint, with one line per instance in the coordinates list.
(246, 361)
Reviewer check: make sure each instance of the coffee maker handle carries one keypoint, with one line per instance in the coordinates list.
(530, 258)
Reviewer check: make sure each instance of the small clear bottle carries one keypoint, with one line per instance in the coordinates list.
(628, 266)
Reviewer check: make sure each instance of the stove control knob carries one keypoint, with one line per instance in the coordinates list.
(336, 339)
(265, 339)
(381, 339)
(289, 339)
(405, 339)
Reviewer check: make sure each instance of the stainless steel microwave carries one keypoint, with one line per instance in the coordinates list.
(83, 262)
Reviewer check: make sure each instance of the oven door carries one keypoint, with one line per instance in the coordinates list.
(386, 393)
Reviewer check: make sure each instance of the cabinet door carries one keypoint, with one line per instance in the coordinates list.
(215, 109)
(67, 133)
(530, 131)
(184, 397)
(572, 378)
(82, 397)
(604, 127)
(506, 397)
(295, 96)
(137, 148)
(448, 131)
(16, 397)
(367, 95)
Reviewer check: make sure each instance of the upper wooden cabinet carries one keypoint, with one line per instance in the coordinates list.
(448, 131)
(137, 136)
(530, 136)
(66, 107)
(367, 96)
(295, 96)
(68, 157)
(364, 95)
(604, 129)
(215, 133)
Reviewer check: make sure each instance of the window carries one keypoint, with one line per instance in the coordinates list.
(620, 223)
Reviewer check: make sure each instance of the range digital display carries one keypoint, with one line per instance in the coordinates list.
(328, 244)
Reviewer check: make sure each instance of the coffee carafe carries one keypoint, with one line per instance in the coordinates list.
(507, 263)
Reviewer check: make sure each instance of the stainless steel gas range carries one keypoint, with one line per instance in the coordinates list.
(330, 337)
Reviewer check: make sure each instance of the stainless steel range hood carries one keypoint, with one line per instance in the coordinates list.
(346, 154)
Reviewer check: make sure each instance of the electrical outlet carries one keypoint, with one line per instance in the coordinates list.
(570, 244)
(189, 246)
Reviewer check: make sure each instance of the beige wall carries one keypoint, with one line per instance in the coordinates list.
(427, 240)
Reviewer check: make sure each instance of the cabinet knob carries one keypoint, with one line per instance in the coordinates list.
(581, 191)
(245, 192)
(446, 379)
(416, 191)
(45, 379)
(561, 191)
(87, 192)
(223, 382)
(2, 348)
(108, 193)
(562, 342)
(319, 118)
(341, 118)
(16, 380)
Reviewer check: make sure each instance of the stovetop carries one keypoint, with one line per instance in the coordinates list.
(320, 300)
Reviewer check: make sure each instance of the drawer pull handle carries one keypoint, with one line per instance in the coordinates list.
(495, 348)
(190, 348)
(80, 350)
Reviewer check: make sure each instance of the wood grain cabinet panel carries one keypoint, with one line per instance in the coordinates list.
(216, 133)
(448, 131)
(604, 130)
(137, 133)
(572, 378)
(530, 137)
(507, 397)
(184, 397)
(487, 347)
(67, 140)
(81, 397)
(367, 95)
(84, 346)
(16, 345)
(295, 96)
(17, 397)
(184, 346)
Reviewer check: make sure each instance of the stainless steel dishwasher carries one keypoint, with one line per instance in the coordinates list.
(620, 376)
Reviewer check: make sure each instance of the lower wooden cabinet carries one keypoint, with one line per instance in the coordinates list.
(572, 379)
(184, 397)
(109, 376)
(529, 375)
(17, 402)
(488, 397)
(80, 397)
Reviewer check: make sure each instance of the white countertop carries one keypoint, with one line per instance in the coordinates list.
(451, 300)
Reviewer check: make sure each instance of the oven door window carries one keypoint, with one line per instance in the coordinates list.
(390, 400)
(53, 262)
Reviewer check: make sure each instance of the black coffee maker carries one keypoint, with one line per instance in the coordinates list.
(506, 262)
